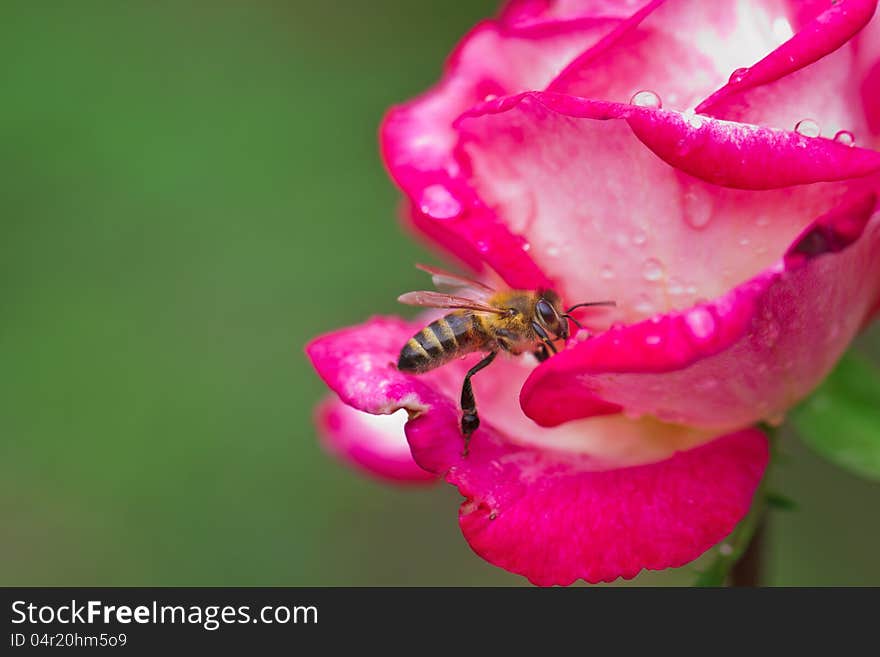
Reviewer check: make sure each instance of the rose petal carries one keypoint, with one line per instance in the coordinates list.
(606, 219)
(376, 444)
(553, 514)
(680, 49)
(747, 356)
(551, 518)
(523, 14)
(418, 138)
(828, 30)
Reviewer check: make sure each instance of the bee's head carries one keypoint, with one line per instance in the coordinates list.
(548, 315)
(551, 318)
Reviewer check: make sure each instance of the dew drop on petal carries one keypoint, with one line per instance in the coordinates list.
(553, 251)
(738, 75)
(639, 238)
(489, 97)
(526, 246)
(652, 270)
(646, 98)
(607, 273)
(700, 322)
(644, 306)
(482, 246)
(807, 128)
(762, 221)
(438, 202)
(845, 137)
(652, 339)
(697, 212)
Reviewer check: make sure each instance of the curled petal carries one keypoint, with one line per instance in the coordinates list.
(749, 355)
(827, 31)
(680, 49)
(375, 444)
(652, 228)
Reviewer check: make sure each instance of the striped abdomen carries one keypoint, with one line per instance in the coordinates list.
(442, 340)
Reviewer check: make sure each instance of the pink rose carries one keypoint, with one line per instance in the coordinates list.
(736, 227)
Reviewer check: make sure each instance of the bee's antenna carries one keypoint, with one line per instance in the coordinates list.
(577, 323)
(592, 303)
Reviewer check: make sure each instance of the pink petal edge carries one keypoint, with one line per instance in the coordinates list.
(374, 444)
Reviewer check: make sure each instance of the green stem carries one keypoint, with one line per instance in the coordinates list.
(732, 549)
(745, 543)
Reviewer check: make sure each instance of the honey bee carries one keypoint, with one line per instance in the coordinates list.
(487, 320)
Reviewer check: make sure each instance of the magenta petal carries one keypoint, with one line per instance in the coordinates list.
(822, 35)
(605, 218)
(550, 514)
(749, 355)
(376, 444)
(552, 517)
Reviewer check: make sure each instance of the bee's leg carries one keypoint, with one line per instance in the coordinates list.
(543, 352)
(469, 419)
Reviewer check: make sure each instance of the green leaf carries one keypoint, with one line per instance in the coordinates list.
(841, 420)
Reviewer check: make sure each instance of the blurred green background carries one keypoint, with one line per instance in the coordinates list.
(190, 191)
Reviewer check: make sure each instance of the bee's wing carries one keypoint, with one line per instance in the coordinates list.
(459, 285)
(430, 299)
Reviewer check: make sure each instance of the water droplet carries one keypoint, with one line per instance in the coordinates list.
(646, 98)
(526, 246)
(738, 75)
(489, 97)
(845, 137)
(482, 246)
(652, 270)
(760, 222)
(652, 339)
(438, 202)
(700, 322)
(807, 128)
(675, 287)
(744, 241)
(644, 306)
(606, 272)
(553, 251)
(582, 335)
(639, 238)
(697, 211)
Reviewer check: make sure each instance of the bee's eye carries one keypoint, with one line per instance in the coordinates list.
(545, 313)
